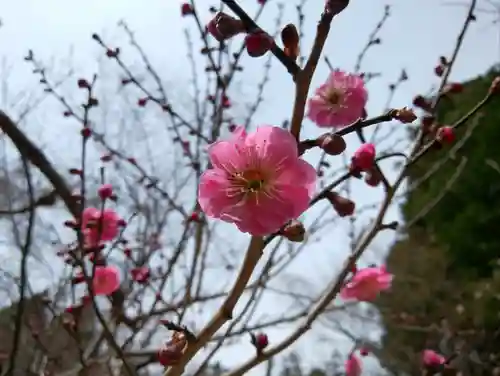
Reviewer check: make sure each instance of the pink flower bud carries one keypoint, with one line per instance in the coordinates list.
(105, 191)
(431, 358)
(223, 26)
(258, 43)
(364, 157)
(353, 366)
(445, 135)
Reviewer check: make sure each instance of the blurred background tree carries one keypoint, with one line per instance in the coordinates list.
(446, 293)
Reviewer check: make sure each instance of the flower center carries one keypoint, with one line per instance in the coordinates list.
(334, 96)
(250, 181)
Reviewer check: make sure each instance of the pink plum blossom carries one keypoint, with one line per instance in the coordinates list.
(106, 280)
(430, 358)
(257, 180)
(99, 225)
(340, 101)
(353, 366)
(366, 284)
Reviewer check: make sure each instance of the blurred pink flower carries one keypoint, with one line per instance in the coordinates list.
(353, 366)
(431, 358)
(340, 101)
(366, 284)
(106, 280)
(258, 182)
(99, 225)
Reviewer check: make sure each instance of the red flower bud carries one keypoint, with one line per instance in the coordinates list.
(106, 157)
(404, 115)
(373, 177)
(258, 43)
(343, 206)
(294, 231)
(105, 191)
(260, 341)
(422, 103)
(186, 9)
(439, 70)
(83, 83)
(140, 275)
(445, 135)
(336, 6)
(223, 26)
(142, 102)
(332, 144)
(86, 132)
(171, 352)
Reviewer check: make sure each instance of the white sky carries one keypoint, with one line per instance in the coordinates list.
(418, 32)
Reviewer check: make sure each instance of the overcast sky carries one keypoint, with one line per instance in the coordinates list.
(418, 32)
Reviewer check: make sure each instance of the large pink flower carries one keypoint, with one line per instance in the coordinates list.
(366, 284)
(353, 366)
(430, 358)
(340, 101)
(258, 182)
(99, 225)
(106, 280)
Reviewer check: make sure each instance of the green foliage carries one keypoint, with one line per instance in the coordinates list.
(447, 266)
(465, 222)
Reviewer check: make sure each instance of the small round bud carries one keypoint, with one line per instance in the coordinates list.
(336, 6)
(445, 135)
(258, 43)
(86, 132)
(294, 231)
(343, 206)
(105, 191)
(373, 177)
(186, 9)
(332, 144)
(260, 341)
(404, 115)
(83, 83)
